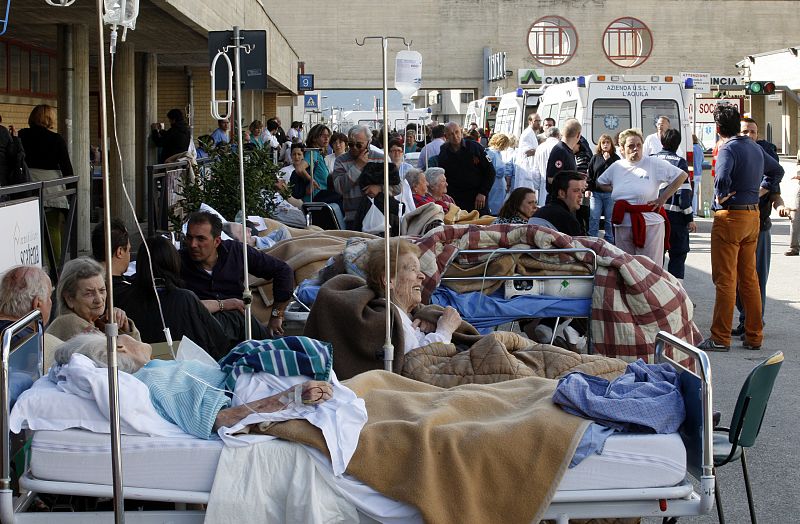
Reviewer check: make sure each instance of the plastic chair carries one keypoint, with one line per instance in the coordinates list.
(321, 214)
(730, 443)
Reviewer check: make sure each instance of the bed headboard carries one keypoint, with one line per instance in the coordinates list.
(22, 362)
(695, 385)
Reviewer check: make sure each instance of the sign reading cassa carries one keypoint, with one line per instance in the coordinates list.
(21, 234)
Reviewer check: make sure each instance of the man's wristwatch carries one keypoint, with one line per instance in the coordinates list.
(276, 313)
(221, 305)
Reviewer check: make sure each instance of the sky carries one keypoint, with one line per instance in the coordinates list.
(348, 99)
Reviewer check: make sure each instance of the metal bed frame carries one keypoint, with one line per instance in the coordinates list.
(677, 501)
(532, 251)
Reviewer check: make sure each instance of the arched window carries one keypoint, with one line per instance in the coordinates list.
(552, 40)
(627, 42)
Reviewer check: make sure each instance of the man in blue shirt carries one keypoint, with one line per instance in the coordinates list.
(220, 134)
(743, 173)
(214, 269)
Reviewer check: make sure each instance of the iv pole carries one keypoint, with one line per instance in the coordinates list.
(235, 76)
(388, 348)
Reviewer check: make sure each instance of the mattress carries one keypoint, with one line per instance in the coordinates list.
(77, 455)
(627, 461)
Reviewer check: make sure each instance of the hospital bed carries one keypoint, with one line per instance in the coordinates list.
(484, 311)
(636, 475)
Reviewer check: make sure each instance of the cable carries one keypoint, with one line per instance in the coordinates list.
(112, 52)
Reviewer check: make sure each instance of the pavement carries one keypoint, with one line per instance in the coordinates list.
(773, 461)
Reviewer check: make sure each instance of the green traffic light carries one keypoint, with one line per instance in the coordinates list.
(755, 87)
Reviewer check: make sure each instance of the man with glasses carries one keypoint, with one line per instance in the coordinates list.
(347, 168)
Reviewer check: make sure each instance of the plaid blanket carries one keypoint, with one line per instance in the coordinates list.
(283, 357)
(633, 298)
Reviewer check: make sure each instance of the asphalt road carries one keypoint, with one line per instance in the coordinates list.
(773, 461)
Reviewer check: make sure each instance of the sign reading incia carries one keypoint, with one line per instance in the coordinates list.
(20, 238)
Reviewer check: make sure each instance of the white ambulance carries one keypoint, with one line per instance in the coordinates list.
(482, 111)
(512, 114)
(609, 104)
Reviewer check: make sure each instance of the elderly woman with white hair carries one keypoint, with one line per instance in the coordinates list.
(437, 187)
(81, 302)
(187, 393)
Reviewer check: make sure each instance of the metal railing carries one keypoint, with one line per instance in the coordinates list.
(65, 187)
(163, 182)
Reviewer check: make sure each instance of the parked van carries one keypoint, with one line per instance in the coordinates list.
(612, 103)
(483, 112)
(343, 120)
(512, 114)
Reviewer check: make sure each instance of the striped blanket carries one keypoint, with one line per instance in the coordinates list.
(283, 357)
(633, 298)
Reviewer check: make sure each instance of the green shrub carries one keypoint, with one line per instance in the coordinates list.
(217, 184)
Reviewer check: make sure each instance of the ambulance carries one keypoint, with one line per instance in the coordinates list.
(609, 104)
(512, 114)
(483, 112)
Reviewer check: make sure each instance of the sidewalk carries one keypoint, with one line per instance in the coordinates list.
(773, 461)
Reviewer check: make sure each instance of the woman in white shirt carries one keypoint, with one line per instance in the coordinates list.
(406, 293)
(634, 182)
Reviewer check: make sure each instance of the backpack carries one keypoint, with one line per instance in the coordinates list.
(13, 168)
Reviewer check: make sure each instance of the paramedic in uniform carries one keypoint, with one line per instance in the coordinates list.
(528, 142)
(470, 174)
(562, 157)
(744, 173)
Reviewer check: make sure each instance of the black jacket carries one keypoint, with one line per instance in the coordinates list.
(469, 172)
(173, 140)
(45, 149)
(597, 166)
(557, 213)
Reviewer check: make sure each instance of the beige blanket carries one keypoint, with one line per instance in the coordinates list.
(501, 356)
(470, 454)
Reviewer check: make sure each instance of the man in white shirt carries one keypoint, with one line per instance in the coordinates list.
(540, 159)
(431, 150)
(528, 142)
(652, 144)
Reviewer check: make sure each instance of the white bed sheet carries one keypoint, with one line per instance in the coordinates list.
(627, 461)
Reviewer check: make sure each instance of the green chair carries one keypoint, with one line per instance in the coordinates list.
(729, 443)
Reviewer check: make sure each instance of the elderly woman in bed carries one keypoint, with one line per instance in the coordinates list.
(406, 293)
(187, 393)
(81, 302)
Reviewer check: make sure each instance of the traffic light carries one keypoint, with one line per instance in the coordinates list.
(759, 88)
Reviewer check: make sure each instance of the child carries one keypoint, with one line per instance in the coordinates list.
(371, 183)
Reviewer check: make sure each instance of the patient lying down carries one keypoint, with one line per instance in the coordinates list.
(187, 393)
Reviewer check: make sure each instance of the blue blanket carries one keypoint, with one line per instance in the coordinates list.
(486, 311)
(645, 399)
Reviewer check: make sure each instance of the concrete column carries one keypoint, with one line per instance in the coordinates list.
(81, 138)
(73, 117)
(147, 103)
(125, 143)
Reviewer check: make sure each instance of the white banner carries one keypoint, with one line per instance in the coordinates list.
(20, 236)
(702, 81)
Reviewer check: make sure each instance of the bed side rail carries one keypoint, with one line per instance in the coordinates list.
(696, 388)
(35, 318)
(527, 251)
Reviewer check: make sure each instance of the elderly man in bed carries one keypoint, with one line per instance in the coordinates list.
(187, 393)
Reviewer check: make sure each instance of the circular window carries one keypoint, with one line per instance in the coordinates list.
(552, 40)
(627, 42)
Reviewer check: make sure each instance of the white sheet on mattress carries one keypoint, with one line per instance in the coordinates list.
(628, 461)
(631, 460)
